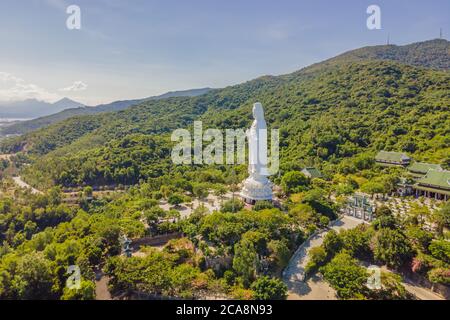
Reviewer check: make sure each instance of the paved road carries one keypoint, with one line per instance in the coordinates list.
(101, 287)
(23, 184)
(420, 292)
(315, 288)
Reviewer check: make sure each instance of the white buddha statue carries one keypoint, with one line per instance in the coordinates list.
(257, 186)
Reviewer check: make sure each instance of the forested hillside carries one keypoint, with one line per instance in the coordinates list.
(328, 114)
(334, 116)
(434, 54)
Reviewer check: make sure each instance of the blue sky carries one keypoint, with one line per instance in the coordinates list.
(138, 48)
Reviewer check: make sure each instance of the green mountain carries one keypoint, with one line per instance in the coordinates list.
(433, 54)
(330, 115)
(34, 124)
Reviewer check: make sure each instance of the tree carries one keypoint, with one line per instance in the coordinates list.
(132, 228)
(316, 198)
(200, 190)
(391, 288)
(324, 221)
(332, 243)
(304, 214)
(442, 217)
(385, 221)
(317, 258)
(153, 215)
(294, 181)
(220, 190)
(372, 188)
(279, 253)
(232, 205)
(346, 276)
(383, 211)
(258, 239)
(175, 199)
(30, 228)
(356, 241)
(88, 192)
(245, 261)
(86, 292)
(440, 249)
(391, 247)
(266, 288)
(55, 195)
(418, 215)
(420, 238)
(181, 280)
(439, 275)
(30, 277)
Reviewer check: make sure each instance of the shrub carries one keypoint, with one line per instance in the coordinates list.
(266, 288)
(317, 258)
(261, 205)
(392, 247)
(440, 249)
(175, 199)
(233, 206)
(439, 275)
(294, 181)
(346, 276)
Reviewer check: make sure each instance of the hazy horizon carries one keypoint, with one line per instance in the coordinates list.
(130, 51)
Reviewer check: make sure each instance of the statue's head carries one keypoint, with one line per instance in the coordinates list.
(258, 112)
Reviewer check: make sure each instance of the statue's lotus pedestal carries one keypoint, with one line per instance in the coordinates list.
(256, 190)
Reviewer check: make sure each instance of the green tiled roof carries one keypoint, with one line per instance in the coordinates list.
(435, 178)
(314, 173)
(387, 156)
(421, 167)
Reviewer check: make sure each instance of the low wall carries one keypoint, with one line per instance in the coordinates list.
(158, 240)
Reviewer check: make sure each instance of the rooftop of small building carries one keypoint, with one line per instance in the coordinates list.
(423, 167)
(391, 156)
(314, 172)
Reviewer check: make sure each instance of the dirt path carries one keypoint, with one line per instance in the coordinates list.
(23, 184)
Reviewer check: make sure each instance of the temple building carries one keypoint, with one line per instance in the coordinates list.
(435, 184)
(423, 179)
(312, 173)
(388, 158)
(420, 169)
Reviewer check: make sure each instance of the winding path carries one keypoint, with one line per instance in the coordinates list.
(23, 184)
(315, 288)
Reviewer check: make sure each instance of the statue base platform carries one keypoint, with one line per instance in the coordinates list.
(256, 190)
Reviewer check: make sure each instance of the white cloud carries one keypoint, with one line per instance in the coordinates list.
(76, 86)
(13, 88)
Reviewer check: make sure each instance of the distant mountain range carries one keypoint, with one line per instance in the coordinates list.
(32, 108)
(433, 54)
(44, 114)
